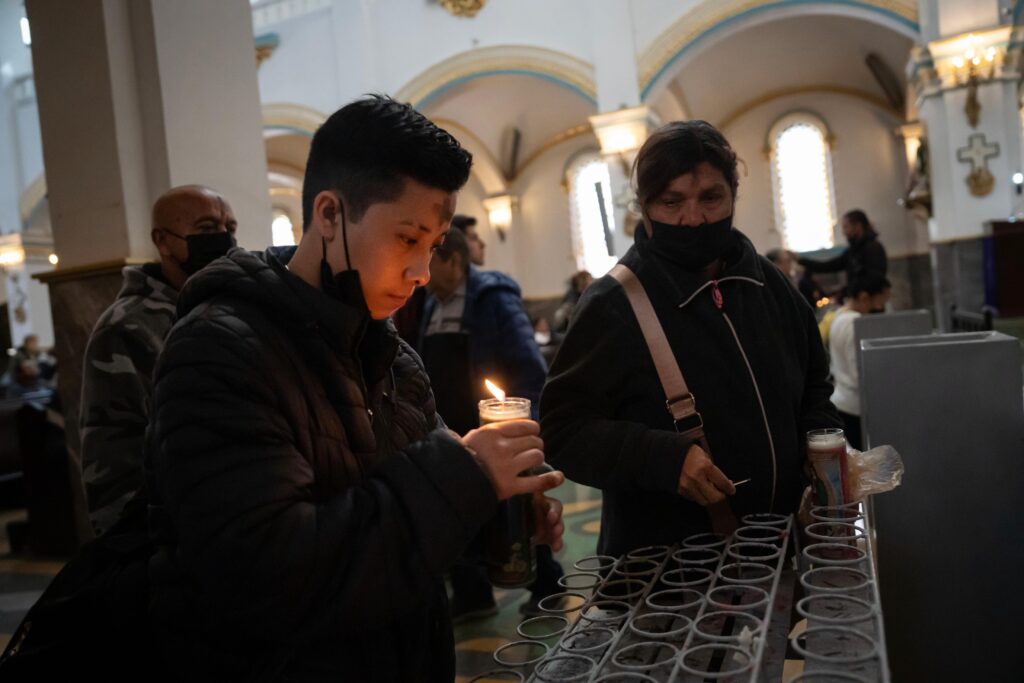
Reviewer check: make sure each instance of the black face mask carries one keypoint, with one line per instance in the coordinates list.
(204, 249)
(877, 310)
(344, 286)
(692, 246)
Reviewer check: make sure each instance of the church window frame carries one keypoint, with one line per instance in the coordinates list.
(589, 245)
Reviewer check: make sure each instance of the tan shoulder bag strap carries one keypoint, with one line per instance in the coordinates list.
(678, 400)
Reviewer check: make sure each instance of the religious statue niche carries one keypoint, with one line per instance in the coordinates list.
(918, 197)
(19, 299)
(980, 180)
(463, 8)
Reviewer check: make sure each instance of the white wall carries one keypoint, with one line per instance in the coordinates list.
(545, 222)
(21, 159)
(868, 168)
(350, 48)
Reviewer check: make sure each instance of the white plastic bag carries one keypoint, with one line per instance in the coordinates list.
(874, 471)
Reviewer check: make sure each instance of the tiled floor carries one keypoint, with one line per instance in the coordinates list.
(476, 641)
(22, 580)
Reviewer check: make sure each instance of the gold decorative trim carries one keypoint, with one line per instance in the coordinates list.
(285, 192)
(263, 53)
(295, 116)
(485, 166)
(463, 8)
(552, 142)
(88, 270)
(558, 65)
(699, 20)
(750, 105)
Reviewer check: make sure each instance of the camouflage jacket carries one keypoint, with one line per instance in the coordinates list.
(117, 390)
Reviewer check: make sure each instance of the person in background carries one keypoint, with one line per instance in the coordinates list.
(547, 340)
(868, 294)
(477, 247)
(191, 226)
(865, 255)
(578, 284)
(409, 318)
(306, 497)
(28, 351)
(784, 261)
(26, 381)
(475, 328)
(745, 342)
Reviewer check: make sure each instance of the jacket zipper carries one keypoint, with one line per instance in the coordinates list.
(719, 303)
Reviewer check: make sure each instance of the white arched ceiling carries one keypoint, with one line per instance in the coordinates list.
(481, 113)
(714, 21)
(287, 133)
(791, 54)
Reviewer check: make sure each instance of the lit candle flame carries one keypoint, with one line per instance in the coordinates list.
(495, 389)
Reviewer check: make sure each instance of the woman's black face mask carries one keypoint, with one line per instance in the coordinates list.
(692, 246)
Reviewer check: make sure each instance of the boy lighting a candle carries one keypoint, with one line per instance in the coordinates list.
(307, 497)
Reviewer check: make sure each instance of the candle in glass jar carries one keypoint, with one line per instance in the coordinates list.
(501, 409)
(508, 551)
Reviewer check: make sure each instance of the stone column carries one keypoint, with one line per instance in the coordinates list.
(966, 80)
(136, 96)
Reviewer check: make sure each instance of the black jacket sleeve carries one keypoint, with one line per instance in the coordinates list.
(875, 260)
(832, 265)
(588, 379)
(273, 558)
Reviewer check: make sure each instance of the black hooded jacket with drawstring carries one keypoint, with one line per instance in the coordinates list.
(603, 415)
(306, 497)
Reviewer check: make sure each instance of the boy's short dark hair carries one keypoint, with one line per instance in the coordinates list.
(676, 149)
(869, 283)
(454, 243)
(462, 222)
(368, 148)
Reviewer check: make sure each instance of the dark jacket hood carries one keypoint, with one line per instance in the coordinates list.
(741, 260)
(480, 281)
(262, 280)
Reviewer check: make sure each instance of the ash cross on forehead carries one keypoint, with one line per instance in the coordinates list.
(977, 152)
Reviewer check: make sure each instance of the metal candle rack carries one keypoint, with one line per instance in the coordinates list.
(711, 609)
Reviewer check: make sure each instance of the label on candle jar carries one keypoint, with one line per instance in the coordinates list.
(826, 451)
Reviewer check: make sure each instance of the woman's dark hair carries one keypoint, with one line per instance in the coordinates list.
(869, 283)
(368, 148)
(859, 217)
(676, 149)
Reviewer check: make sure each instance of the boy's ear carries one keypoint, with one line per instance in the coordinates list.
(326, 218)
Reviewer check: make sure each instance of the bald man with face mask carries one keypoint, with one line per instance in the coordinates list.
(192, 225)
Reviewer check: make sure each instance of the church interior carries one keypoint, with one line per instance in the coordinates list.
(909, 112)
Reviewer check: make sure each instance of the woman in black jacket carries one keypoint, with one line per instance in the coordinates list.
(746, 343)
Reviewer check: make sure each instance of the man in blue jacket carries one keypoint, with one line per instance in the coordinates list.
(474, 327)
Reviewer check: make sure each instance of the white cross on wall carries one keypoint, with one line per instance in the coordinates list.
(977, 152)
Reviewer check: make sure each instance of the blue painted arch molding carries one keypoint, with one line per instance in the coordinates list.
(886, 16)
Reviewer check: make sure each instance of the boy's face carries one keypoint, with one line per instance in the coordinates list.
(392, 243)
